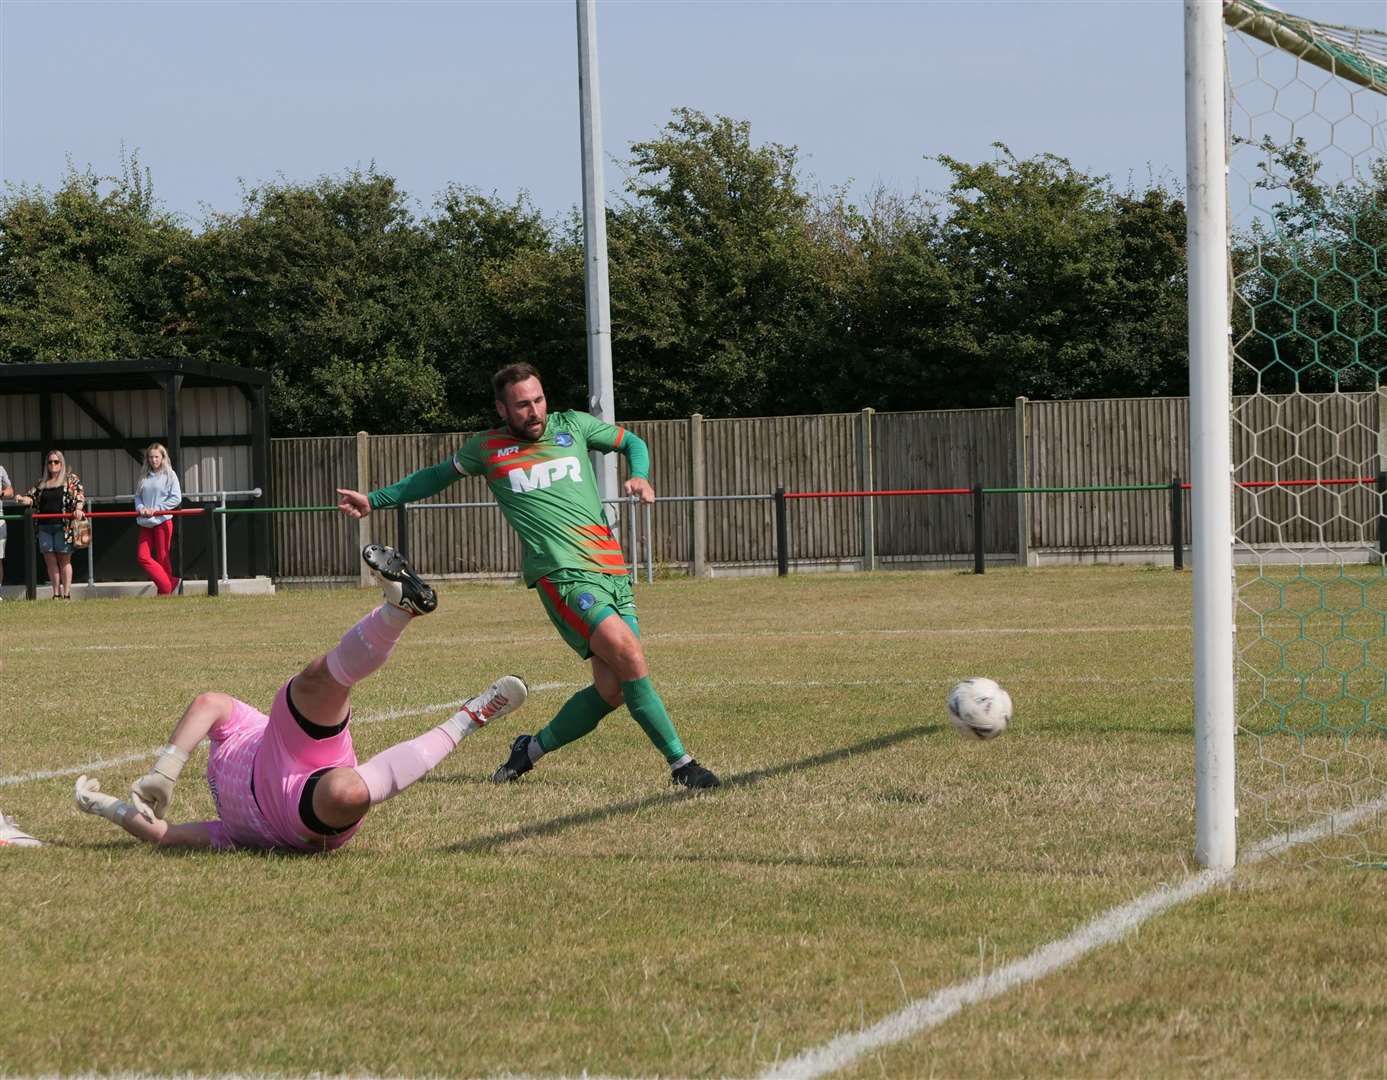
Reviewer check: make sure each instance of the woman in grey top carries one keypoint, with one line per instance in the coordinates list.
(157, 493)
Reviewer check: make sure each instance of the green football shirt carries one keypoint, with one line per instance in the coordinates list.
(548, 493)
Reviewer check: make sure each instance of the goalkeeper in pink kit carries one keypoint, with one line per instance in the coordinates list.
(290, 781)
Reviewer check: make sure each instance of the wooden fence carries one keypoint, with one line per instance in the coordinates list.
(1053, 444)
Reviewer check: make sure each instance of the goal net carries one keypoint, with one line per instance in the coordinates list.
(1306, 128)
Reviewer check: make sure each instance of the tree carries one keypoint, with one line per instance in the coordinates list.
(1029, 242)
(319, 285)
(713, 294)
(502, 285)
(1311, 307)
(893, 310)
(93, 271)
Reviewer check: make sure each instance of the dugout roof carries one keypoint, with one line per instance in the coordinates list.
(77, 380)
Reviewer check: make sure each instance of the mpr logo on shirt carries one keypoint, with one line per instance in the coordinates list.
(543, 473)
(563, 438)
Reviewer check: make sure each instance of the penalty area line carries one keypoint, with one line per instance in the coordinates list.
(922, 1014)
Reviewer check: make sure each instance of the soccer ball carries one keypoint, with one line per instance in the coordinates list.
(979, 709)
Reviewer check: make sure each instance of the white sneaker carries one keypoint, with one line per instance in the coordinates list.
(499, 699)
(11, 835)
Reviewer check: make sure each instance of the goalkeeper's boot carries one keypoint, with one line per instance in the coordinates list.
(403, 587)
(693, 775)
(518, 764)
(11, 835)
(499, 699)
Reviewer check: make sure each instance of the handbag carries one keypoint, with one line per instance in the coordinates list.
(82, 533)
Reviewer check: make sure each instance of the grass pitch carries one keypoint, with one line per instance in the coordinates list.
(591, 919)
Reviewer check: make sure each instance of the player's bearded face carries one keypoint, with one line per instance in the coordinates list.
(523, 408)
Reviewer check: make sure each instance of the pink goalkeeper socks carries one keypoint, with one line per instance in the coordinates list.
(391, 771)
(367, 645)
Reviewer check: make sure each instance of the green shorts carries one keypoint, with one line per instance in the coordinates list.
(576, 601)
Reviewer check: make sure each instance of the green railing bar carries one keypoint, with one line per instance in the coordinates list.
(273, 509)
(1067, 490)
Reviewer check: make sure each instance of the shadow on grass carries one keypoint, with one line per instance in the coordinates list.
(493, 841)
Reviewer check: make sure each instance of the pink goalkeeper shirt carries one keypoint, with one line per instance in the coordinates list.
(257, 769)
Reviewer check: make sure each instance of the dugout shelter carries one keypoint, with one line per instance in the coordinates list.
(213, 419)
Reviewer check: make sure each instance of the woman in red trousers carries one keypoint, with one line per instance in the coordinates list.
(157, 493)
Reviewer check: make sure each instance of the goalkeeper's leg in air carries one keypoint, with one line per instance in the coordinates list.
(291, 781)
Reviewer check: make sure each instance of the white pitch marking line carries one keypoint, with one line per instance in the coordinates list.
(713, 635)
(76, 770)
(923, 1014)
(141, 755)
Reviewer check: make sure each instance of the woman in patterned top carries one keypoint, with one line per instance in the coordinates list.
(57, 491)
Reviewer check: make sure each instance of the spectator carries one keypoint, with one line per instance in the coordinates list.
(156, 493)
(57, 491)
(6, 492)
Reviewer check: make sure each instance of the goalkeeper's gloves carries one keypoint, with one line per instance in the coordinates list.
(92, 800)
(154, 790)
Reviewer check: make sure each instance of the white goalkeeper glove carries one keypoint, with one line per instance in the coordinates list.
(154, 790)
(92, 800)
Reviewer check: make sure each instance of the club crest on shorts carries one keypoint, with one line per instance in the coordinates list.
(585, 601)
(563, 438)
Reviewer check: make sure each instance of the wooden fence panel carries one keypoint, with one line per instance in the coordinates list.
(1100, 443)
(799, 453)
(670, 474)
(943, 449)
(306, 471)
(452, 540)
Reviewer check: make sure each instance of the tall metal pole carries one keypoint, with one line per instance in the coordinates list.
(1215, 805)
(601, 399)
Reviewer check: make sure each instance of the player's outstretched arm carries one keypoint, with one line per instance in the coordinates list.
(153, 792)
(92, 800)
(353, 503)
(418, 485)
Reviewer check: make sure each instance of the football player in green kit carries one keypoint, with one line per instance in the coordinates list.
(537, 466)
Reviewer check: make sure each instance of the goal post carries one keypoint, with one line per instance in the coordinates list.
(1210, 437)
(1286, 140)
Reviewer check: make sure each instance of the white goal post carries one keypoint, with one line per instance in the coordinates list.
(1215, 711)
(1287, 237)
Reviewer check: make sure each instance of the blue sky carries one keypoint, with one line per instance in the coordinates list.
(210, 94)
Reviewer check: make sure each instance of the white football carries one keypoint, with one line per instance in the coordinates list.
(979, 709)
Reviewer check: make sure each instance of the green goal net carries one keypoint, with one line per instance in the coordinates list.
(1307, 207)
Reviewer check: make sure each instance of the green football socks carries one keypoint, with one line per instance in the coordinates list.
(579, 715)
(650, 714)
(582, 712)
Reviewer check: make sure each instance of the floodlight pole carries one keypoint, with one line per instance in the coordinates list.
(601, 399)
(1215, 805)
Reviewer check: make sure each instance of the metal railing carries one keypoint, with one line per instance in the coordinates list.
(188, 496)
(639, 529)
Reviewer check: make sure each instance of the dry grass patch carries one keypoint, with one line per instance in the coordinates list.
(589, 917)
